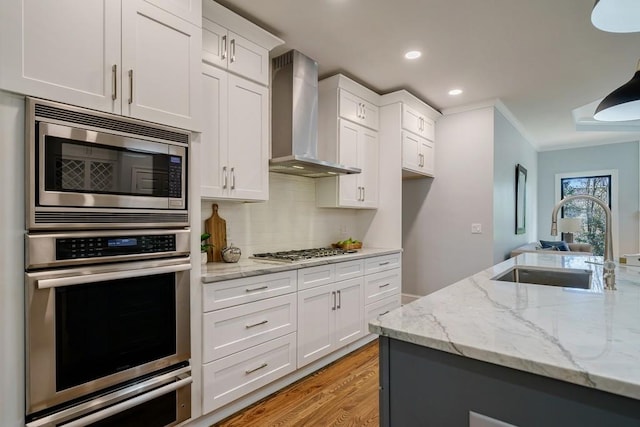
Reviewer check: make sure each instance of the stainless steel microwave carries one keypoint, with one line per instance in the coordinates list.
(87, 169)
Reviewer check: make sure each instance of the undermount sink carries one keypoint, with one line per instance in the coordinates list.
(565, 277)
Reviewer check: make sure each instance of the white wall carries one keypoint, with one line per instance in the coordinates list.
(510, 149)
(624, 157)
(12, 260)
(439, 248)
(289, 220)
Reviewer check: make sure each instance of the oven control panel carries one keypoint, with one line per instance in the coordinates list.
(105, 246)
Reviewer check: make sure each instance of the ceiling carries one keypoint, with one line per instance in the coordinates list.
(542, 59)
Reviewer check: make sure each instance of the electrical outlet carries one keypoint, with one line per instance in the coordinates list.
(343, 231)
(476, 228)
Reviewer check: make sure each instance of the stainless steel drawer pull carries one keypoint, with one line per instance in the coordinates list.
(339, 298)
(233, 50)
(114, 76)
(384, 263)
(264, 322)
(248, 371)
(257, 289)
(233, 178)
(224, 48)
(385, 285)
(130, 86)
(224, 177)
(382, 314)
(334, 300)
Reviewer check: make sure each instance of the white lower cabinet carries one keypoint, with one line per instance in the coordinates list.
(258, 329)
(329, 317)
(234, 376)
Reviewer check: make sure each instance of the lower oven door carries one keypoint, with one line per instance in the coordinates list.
(93, 328)
(160, 401)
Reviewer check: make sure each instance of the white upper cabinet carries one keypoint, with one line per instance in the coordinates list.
(417, 122)
(410, 122)
(235, 44)
(235, 138)
(130, 57)
(347, 134)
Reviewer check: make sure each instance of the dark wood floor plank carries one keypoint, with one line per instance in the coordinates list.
(343, 394)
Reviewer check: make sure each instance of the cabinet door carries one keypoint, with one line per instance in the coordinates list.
(213, 159)
(356, 109)
(415, 121)
(349, 311)
(63, 50)
(411, 150)
(349, 187)
(248, 140)
(316, 323)
(368, 161)
(215, 43)
(248, 59)
(428, 157)
(161, 66)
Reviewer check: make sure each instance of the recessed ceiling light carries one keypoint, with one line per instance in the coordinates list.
(298, 167)
(413, 54)
(455, 92)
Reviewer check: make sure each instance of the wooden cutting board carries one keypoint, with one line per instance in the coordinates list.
(217, 227)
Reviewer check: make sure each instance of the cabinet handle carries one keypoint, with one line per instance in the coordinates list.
(248, 371)
(224, 47)
(224, 177)
(383, 263)
(334, 300)
(257, 289)
(364, 193)
(384, 286)
(114, 79)
(339, 298)
(264, 322)
(233, 50)
(382, 314)
(130, 86)
(233, 178)
(364, 112)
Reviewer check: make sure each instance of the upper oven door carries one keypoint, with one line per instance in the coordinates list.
(85, 168)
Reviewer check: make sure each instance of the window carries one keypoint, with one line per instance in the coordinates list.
(600, 184)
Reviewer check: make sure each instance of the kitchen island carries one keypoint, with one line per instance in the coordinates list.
(483, 352)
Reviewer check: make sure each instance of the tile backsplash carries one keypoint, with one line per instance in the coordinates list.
(289, 220)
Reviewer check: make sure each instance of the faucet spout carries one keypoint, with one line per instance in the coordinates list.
(608, 275)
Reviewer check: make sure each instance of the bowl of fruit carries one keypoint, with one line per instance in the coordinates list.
(349, 244)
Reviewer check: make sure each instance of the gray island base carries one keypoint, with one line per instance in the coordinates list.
(423, 387)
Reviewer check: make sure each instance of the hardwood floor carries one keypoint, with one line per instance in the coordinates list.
(344, 393)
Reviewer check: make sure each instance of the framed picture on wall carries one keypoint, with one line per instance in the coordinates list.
(521, 199)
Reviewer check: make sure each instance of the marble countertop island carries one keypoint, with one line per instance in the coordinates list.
(589, 337)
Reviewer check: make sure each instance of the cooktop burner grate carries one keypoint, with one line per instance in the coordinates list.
(300, 254)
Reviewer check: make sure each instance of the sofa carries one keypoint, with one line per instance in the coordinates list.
(574, 249)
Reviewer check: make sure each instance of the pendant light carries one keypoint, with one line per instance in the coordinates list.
(623, 103)
(616, 16)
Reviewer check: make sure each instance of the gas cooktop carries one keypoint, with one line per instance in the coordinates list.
(300, 254)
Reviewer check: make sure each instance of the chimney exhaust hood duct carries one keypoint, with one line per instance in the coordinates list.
(294, 129)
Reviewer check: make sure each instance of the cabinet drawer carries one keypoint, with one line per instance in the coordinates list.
(356, 109)
(225, 294)
(380, 308)
(414, 121)
(349, 269)
(381, 285)
(234, 329)
(232, 377)
(382, 263)
(316, 276)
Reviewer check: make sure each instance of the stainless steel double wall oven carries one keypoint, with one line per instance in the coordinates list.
(107, 270)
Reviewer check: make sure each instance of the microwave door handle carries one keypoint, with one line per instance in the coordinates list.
(127, 404)
(113, 275)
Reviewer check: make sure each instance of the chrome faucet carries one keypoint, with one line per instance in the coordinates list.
(609, 266)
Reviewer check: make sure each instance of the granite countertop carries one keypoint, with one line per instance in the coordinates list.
(246, 267)
(589, 337)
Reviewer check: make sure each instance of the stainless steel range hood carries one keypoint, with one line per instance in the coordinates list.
(294, 128)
